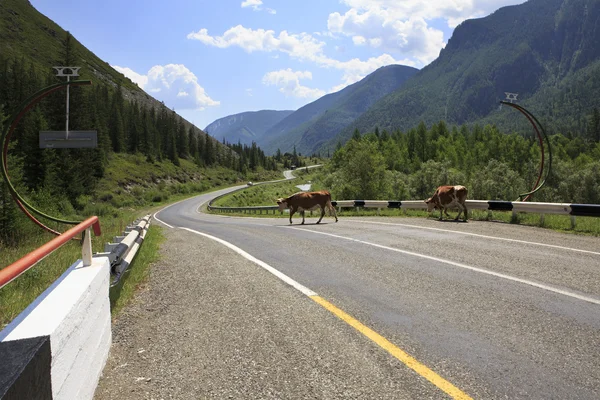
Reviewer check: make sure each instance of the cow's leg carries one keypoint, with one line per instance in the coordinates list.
(322, 214)
(464, 210)
(302, 213)
(292, 211)
(442, 209)
(334, 213)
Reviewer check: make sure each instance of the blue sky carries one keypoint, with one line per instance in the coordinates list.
(209, 59)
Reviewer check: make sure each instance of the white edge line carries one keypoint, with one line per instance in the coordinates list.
(255, 260)
(480, 270)
(482, 236)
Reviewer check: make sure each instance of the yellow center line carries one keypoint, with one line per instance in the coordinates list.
(400, 354)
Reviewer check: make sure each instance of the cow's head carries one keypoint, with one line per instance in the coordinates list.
(282, 204)
(430, 204)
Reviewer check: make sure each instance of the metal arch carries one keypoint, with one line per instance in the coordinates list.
(6, 134)
(535, 123)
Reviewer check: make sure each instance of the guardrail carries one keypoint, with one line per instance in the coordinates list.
(11, 272)
(62, 339)
(571, 209)
(121, 252)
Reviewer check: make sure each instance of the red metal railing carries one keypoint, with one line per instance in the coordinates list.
(15, 269)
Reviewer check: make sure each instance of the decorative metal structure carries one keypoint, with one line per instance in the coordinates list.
(537, 126)
(10, 126)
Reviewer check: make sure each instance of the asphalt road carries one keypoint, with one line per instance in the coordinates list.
(432, 309)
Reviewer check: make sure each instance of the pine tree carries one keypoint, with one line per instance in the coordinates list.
(115, 126)
(593, 130)
(193, 143)
(210, 155)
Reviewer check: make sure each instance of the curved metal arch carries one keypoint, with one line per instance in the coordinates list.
(535, 123)
(4, 140)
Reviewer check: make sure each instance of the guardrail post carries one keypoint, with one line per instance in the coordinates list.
(573, 221)
(378, 210)
(542, 219)
(86, 248)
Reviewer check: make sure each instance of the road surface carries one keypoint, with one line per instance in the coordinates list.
(366, 308)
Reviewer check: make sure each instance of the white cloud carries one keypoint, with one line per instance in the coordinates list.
(136, 78)
(255, 4)
(359, 40)
(271, 11)
(303, 47)
(288, 82)
(450, 10)
(177, 85)
(401, 27)
(249, 92)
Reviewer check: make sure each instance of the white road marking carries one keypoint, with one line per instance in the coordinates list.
(480, 270)
(161, 221)
(481, 236)
(255, 260)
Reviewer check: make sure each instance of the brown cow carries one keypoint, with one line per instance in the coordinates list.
(448, 197)
(302, 201)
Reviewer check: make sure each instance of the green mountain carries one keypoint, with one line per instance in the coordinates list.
(545, 50)
(314, 124)
(245, 127)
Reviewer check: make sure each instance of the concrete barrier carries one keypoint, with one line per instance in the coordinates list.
(60, 343)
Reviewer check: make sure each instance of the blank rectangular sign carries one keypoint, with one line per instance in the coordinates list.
(75, 140)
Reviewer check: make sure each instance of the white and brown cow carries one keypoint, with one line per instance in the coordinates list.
(303, 201)
(449, 197)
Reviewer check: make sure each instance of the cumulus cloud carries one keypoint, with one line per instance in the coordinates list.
(288, 82)
(303, 47)
(138, 79)
(401, 27)
(174, 84)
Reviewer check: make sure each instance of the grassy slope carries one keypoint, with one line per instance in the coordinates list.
(25, 33)
(141, 188)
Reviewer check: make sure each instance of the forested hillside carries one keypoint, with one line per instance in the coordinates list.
(545, 50)
(161, 150)
(491, 163)
(246, 127)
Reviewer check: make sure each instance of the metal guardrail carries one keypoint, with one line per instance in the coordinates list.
(11, 272)
(121, 252)
(573, 210)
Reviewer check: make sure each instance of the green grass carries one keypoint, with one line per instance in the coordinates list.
(18, 294)
(267, 195)
(140, 192)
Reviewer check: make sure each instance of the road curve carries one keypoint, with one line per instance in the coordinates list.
(492, 310)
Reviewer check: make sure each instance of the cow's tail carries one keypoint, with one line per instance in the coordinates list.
(330, 207)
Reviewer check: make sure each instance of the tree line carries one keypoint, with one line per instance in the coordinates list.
(493, 165)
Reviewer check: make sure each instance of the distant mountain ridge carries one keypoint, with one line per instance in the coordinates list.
(311, 126)
(246, 127)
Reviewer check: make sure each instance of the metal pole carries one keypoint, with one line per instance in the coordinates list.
(68, 86)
